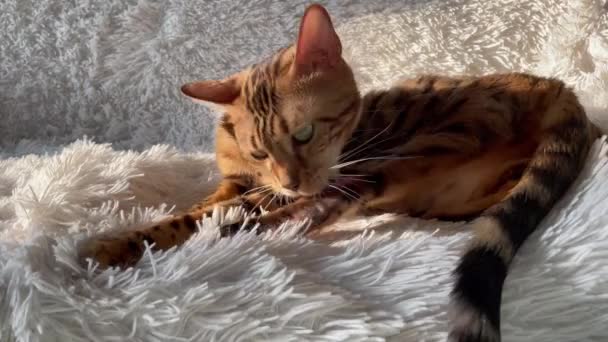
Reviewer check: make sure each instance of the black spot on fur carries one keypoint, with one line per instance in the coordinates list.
(133, 246)
(175, 224)
(457, 128)
(228, 127)
(241, 189)
(379, 183)
(329, 119)
(148, 239)
(497, 96)
(232, 229)
(436, 150)
(190, 223)
(373, 104)
(455, 106)
(254, 143)
(403, 106)
(247, 205)
(229, 230)
(431, 104)
(241, 179)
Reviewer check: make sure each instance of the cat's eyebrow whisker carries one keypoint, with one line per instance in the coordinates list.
(348, 163)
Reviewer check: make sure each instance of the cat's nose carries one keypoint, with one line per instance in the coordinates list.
(293, 185)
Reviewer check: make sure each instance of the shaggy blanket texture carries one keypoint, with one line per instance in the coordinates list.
(111, 70)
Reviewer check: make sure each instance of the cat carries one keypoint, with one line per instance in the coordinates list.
(297, 139)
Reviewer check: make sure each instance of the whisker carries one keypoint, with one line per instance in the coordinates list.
(353, 192)
(350, 153)
(375, 144)
(255, 189)
(282, 199)
(359, 180)
(351, 177)
(343, 192)
(252, 190)
(340, 190)
(271, 200)
(338, 166)
(259, 204)
(268, 190)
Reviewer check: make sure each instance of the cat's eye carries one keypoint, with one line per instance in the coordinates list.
(304, 134)
(259, 155)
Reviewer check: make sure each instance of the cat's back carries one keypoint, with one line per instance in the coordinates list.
(452, 94)
(499, 104)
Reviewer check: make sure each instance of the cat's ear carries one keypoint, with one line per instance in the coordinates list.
(219, 92)
(318, 46)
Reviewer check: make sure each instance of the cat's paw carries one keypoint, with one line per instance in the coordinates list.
(120, 251)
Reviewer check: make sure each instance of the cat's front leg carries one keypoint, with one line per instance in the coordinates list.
(344, 197)
(125, 248)
(318, 212)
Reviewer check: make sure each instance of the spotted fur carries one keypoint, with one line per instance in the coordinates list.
(499, 150)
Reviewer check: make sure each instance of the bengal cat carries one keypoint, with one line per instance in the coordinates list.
(499, 148)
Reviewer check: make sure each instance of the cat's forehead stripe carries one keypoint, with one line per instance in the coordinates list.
(253, 142)
(261, 99)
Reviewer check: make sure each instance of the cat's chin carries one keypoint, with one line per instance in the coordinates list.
(297, 194)
(307, 191)
(307, 195)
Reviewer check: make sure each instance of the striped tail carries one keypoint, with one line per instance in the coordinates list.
(474, 312)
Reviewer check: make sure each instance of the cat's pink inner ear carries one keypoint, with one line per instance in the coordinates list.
(318, 45)
(219, 92)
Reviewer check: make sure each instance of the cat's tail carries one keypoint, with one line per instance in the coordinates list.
(474, 313)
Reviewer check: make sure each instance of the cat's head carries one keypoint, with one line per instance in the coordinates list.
(287, 119)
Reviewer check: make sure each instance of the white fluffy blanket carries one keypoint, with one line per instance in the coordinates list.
(112, 69)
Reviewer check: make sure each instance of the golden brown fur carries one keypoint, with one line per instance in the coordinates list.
(502, 148)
